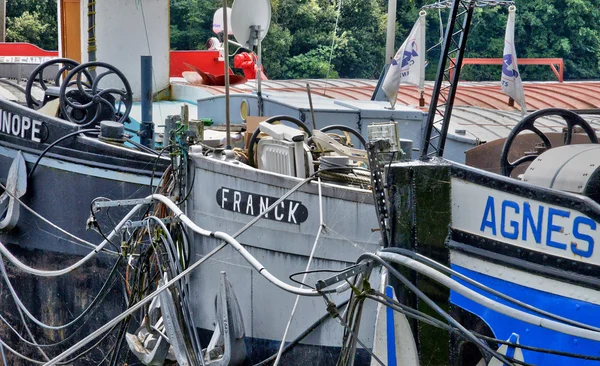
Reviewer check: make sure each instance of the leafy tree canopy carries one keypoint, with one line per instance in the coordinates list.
(302, 33)
(33, 21)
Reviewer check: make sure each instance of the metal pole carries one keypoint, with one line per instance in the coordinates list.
(2, 20)
(147, 125)
(259, 72)
(312, 110)
(391, 32)
(226, 62)
(91, 36)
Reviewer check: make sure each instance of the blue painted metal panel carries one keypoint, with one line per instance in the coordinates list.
(391, 329)
(531, 335)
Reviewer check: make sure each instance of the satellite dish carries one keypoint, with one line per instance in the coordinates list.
(218, 21)
(248, 13)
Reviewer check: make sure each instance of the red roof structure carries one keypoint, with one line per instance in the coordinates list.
(580, 95)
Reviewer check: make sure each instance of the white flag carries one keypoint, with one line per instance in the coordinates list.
(408, 65)
(511, 79)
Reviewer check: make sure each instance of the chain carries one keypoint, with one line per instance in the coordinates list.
(377, 181)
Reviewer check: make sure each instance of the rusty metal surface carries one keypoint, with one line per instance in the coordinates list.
(487, 156)
(539, 95)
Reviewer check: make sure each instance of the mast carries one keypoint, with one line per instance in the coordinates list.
(2, 20)
(391, 32)
(226, 62)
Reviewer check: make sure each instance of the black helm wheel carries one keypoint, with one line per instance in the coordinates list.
(94, 96)
(271, 120)
(38, 73)
(527, 124)
(346, 129)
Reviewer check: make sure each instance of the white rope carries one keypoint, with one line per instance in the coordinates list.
(3, 353)
(60, 272)
(219, 235)
(4, 345)
(310, 258)
(51, 223)
(33, 341)
(332, 46)
(236, 245)
(487, 302)
(22, 307)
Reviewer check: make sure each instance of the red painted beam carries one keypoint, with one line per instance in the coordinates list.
(552, 62)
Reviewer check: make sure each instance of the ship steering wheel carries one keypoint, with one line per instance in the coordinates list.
(38, 73)
(87, 105)
(527, 124)
(271, 120)
(346, 129)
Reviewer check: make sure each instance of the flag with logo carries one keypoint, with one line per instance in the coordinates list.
(408, 65)
(512, 85)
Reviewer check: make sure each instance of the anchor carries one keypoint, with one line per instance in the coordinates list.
(16, 185)
(510, 351)
(152, 346)
(148, 343)
(227, 345)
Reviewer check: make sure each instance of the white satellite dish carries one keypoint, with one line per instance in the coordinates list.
(248, 13)
(218, 21)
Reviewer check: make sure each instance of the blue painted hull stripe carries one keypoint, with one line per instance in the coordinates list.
(503, 326)
(391, 330)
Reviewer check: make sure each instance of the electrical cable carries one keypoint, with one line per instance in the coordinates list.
(60, 272)
(431, 303)
(133, 308)
(189, 190)
(316, 271)
(11, 350)
(538, 349)
(87, 243)
(67, 362)
(48, 345)
(154, 165)
(428, 319)
(303, 335)
(78, 132)
(441, 267)
(347, 327)
(183, 287)
(310, 259)
(483, 300)
(236, 245)
(38, 322)
(97, 225)
(141, 147)
(3, 353)
(27, 328)
(142, 302)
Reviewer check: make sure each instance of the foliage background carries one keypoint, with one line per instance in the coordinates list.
(299, 43)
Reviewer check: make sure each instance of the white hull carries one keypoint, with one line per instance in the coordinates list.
(283, 248)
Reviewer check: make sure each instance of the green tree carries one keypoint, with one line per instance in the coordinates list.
(32, 21)
(361, 43)
(276, 50)
(313, 64)
(191, 23)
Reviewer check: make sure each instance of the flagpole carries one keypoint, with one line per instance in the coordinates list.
(391, 32)
(226, 62)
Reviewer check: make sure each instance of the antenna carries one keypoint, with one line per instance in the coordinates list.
(250, 20)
